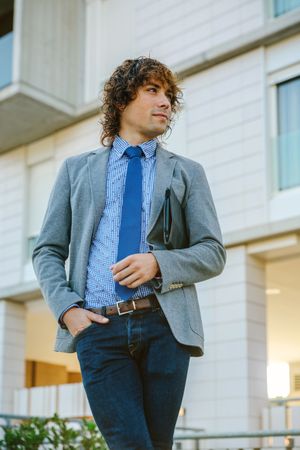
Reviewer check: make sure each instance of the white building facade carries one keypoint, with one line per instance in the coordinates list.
(239, 61)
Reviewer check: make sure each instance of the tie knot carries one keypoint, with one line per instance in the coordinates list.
(131, 152)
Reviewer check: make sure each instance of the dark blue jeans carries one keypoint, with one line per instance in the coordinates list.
(134, 373)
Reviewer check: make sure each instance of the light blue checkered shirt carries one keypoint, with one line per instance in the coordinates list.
(100, 286)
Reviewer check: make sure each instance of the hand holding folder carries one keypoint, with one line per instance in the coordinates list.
(167, 215)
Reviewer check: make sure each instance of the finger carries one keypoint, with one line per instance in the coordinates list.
(131, 280)
(122, 264)
(97, 317)
(124, 273)
(135, 284)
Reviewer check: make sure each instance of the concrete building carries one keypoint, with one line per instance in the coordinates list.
(239, 61)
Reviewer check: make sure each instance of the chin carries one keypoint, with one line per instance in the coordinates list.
(159, 131)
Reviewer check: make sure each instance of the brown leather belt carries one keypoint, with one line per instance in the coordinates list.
(128, 306)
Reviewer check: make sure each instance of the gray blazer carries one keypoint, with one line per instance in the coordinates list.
(194, 251)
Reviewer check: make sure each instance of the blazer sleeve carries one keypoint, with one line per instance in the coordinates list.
(206, 256)
(52, 248)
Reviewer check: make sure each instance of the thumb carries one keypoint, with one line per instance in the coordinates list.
(98, 318)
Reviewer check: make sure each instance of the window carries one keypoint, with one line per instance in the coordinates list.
(6, 42)
(288, 133)
(283, 6)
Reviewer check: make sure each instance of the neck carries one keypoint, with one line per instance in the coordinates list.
(134, 139)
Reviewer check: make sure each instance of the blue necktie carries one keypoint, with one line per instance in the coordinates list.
(130, 228)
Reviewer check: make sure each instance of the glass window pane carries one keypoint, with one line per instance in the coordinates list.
(283, 6)
(288, 139)
(6, 42)
(6, 49)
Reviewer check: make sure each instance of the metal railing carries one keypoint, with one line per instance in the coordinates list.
(197, 435)
(200, 437)
(8, 418)
(283, 400)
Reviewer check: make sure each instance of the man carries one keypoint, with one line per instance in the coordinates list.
(140, 228)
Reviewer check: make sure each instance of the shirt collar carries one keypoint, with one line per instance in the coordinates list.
(120, 145)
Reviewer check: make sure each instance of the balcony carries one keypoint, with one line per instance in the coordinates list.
(68, 400)
(41, 73)
(280, 417)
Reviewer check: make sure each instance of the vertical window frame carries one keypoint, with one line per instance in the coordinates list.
(274, 79)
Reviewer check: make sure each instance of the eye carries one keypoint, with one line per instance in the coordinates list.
(168, 94)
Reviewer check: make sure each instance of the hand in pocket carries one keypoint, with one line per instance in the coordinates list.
(77, 319)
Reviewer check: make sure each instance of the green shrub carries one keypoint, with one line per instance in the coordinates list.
(52, 433)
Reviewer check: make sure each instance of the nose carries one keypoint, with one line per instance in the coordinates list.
(164, 101)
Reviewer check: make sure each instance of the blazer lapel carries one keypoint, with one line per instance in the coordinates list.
(165, 163)
(97, 166)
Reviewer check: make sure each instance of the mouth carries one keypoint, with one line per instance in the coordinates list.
(163, 116)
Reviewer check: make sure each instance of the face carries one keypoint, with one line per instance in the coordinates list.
(148, 115)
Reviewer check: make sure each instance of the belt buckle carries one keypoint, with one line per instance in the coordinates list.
(125, 312)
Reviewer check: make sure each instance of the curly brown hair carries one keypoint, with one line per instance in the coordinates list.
(121, 88)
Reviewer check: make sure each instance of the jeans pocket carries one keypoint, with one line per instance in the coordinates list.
(82, 332)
